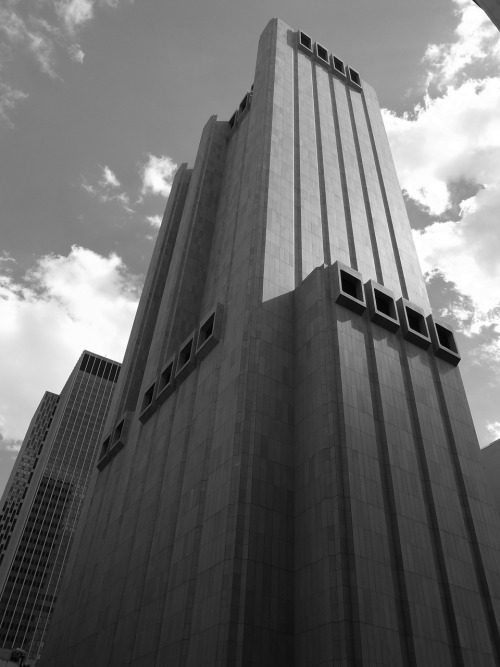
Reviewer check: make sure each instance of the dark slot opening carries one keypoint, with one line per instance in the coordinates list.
(350, 285)
(322, 52)
(166, 376)
(338, 64)
(385, 304)
(232, 120)
(305, 40)
(446, 338)
(118, 431)
(105, 447)
(355, 77)
(148, 397)
(243, 103)
(207, 329)
(415, 321)
(185, 353)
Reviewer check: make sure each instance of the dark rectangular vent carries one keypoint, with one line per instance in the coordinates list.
(354, 77)
(322, 53)
(305, 43)
(338, 65)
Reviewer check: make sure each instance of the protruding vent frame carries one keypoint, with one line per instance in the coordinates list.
(166, 382)
(148, 403)
(233, 119)
(348, 288)
(321, 54)
(115, 442)
(186, 360)
(210, 331)
(244, 104)
(305, 43)
(413, 323)
(354, 78)
(443, 341)
(338, 66)
(382, 305)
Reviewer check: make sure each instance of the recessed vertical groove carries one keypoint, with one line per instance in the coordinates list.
(341, 472)
(369, 217)
(296, 172)
(430, 510)
(478, 563)
(406, 632)
(395, 249)
(343, 180)
(321, 170)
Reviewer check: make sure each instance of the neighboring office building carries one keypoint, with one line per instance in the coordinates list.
(43, 498)
(289, 472)
(492, 8)
(24, 468)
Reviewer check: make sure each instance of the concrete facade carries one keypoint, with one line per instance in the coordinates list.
(43, 500)
(290, 473)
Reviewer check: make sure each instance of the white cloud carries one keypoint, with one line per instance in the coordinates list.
(494, 429)
(158, 174)
(476, 42)
(154, 220)
(63, 305)
(9, 97)
(450, 141)
(27, 27)
(108, 178)
(74, 13)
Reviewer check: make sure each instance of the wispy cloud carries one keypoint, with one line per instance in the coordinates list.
(74, 13)
(158, 174)
(108, 178)
(494, 429)
(105, 189)
(154, 220)
(61, 306)
(448, 145)
(42, 29)
(9, 97)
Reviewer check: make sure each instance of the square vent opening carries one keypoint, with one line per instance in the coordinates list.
(416, 322)
(446, 338)
(185, 353)
(166, 376)
(354, 76)
(305, 40)
(322, 52)
(351, 286)
(338, 65)
(118, 431)
(385, 304)
(148, 397)
(206, 330)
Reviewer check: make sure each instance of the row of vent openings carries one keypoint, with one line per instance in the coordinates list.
(331, 61)
(422, 330)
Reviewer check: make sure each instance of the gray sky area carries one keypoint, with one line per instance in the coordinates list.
(101, 99)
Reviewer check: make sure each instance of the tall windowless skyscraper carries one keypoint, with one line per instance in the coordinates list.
(43, 499)
(289, 473)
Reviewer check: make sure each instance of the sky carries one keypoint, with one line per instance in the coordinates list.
(100, 100)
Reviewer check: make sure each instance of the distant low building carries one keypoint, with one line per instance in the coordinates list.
(42, 502)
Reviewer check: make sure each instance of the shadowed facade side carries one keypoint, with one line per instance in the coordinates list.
(290, 473)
